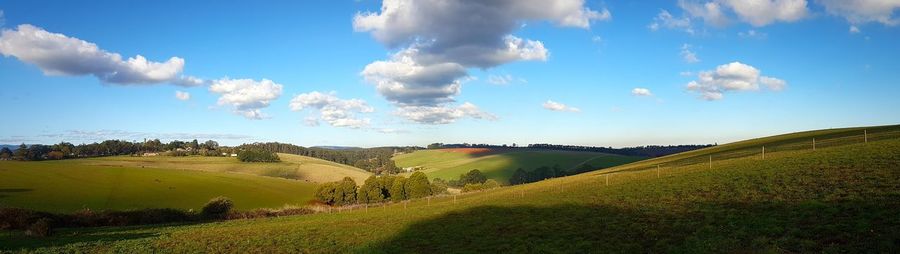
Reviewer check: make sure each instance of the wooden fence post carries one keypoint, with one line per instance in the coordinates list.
(814, 144)
(710, 162)
(657, 171)
(607, 179)
(865, 136)
(764, 152)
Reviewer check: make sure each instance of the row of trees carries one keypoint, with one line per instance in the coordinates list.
(66, 150)
(644, 151)
(376, 160)
(521, 176)
(257, 155)
(377, 189)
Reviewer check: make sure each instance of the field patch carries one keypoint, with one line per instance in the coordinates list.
(500, 164)
(63, 186)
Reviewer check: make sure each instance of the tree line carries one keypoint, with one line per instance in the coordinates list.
(377, 189)
(643, 151)
(66, 150)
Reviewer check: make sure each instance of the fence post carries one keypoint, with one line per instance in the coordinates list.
(764, 152)
(607, 179)
(865, 136)
(814, 144)
(710, 162)
(429, 201)
(657, 171)
(454, 198)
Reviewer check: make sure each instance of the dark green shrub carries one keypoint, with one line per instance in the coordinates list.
(217, 207)
(40, 228)
(417, 186)
(257, 155)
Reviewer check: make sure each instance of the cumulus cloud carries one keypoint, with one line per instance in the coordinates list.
(438, 41)
(717, 13)
(58, 54)
(335, 111)
(687, 55)
(864, 11)
(442, 114)
(641, 92)
(182, 96)
(556, 106)
(87, 136)
(246, 96)
(752, 34)
(503, 79)
(735, 76)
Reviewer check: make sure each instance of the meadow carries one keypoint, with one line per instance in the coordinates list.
(840, 198)
(70, 185)
(500, 164)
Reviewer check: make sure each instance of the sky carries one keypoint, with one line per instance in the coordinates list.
(413, 72)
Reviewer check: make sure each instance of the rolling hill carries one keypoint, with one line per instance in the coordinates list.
(291, 166)
(66, 186)
(499, 164)
(841, 197)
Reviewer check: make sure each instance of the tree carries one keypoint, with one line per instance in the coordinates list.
(257, 155)
(417, 186)
(370, 192)
(438, 186)
(490, 184)
(217, 207)
(5, 153)
(21, 153)
(398, 190)
(325, 193)
(474, 176)
(345, 193)
(519, 177)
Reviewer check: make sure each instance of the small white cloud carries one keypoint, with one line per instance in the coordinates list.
(686, 73)
(58, 54)
(734, 76)
(752, 34)
(597, 39)
(757, 12)
(335, 111)
(854, 29)
(556, 106)
(687, 55)
(709, 12)
(641, 92)
(2, 19)
(183, 96)
(246, 96)
(503, 79)
(665, 20)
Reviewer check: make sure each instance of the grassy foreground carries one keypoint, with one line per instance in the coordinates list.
(65, 186)
(500, 165)
(835, 199)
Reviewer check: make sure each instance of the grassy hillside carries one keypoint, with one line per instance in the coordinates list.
(840, 198)
(64, 186)
(291, 166)
(499, 164)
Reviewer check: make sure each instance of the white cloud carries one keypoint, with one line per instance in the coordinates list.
(58, 54)
(711, 12)
(854, 29)
(556, 106)
(2, 19)
(733, 76)
(442, 114)
(641, 92)
(764, 12)
(182, 96)
(864, 11)
(665, 20)
(501, 79)
(687, 55)
(439, 40)
(333, 110)
(246, 96)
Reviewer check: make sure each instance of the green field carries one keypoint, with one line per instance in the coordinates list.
(838, 198)
(499, 165)
(62, 186)
(291, 166)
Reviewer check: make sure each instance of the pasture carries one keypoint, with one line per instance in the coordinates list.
(500, 164)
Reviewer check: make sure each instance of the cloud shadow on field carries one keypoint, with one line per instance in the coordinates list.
(718, 228)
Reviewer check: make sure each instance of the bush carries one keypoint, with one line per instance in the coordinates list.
(41, 228)
(325, 193)
(19, 219)
(398, 189)
(217, 207)
(417, 186)
(257, 155)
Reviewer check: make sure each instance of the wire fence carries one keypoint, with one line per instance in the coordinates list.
(799, 143)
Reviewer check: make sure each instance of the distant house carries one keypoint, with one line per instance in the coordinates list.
(234, 155)
(411, 169)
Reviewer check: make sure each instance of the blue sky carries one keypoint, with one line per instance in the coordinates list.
(352, 73)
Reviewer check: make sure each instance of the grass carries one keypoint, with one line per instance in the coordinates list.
(499, 165)
(836, 199)
(69, 185)
(291, 166)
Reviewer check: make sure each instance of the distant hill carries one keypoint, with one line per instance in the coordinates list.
(339, 148)
(11, 147)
